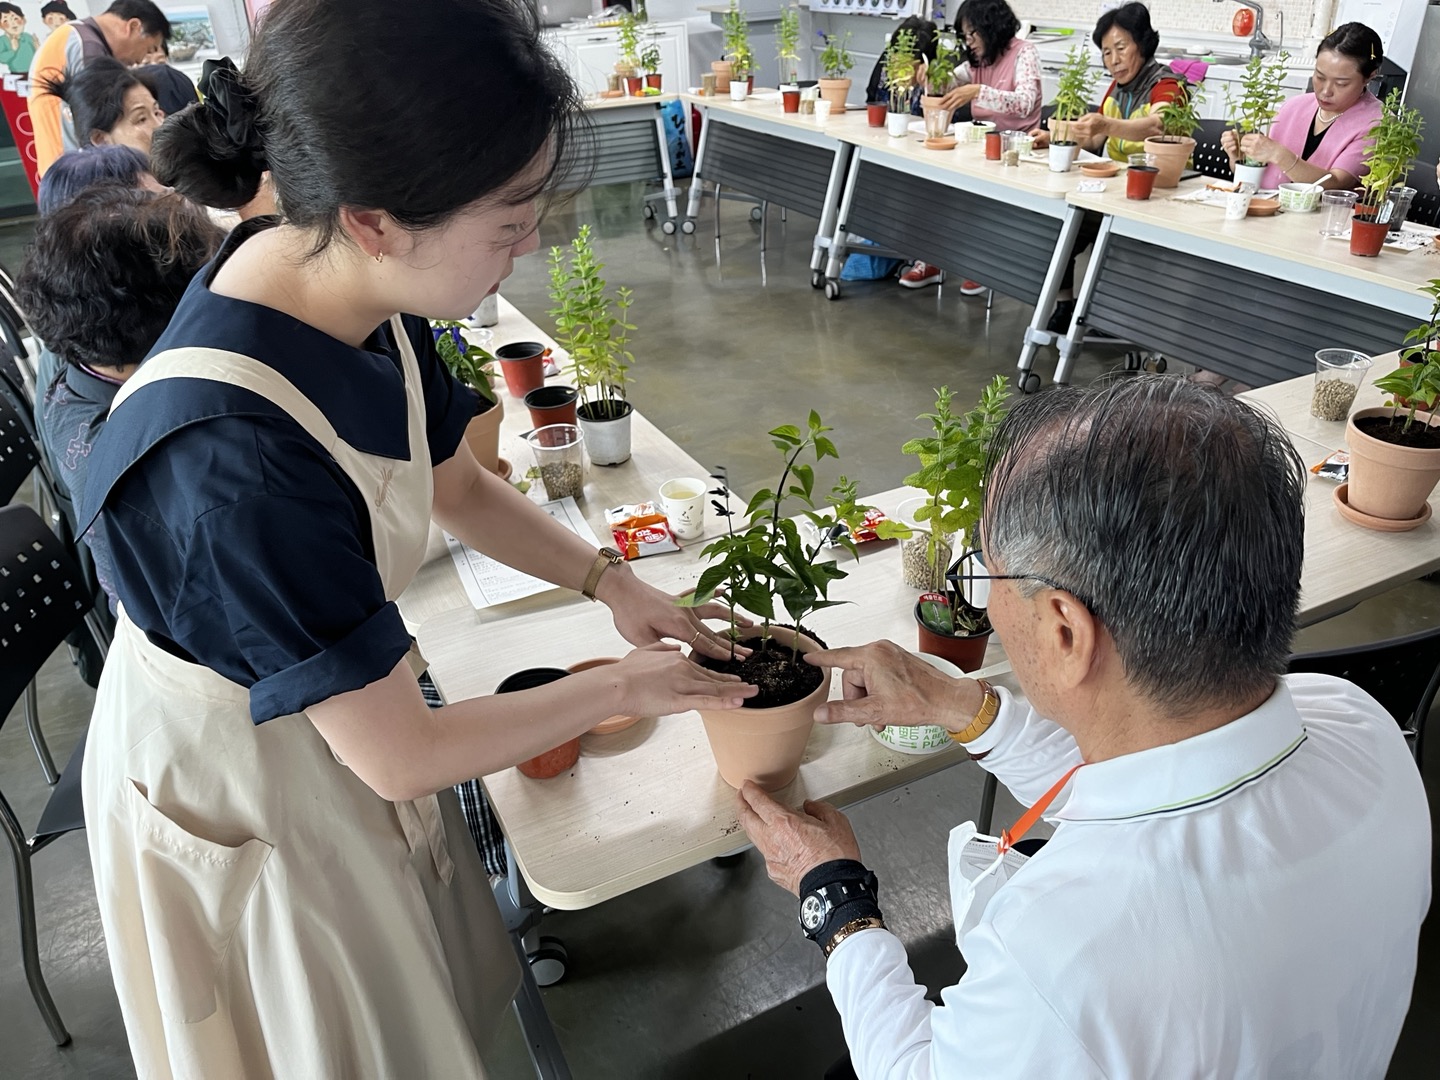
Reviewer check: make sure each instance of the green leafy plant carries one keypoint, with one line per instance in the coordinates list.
(590, 324)
(1393, 143)
(1262, 89)
(787, 43)
(766, 565)
(835, 59)
(628, 38)
(737, 42)
(900, 60)
(940, 72)
(1180, 116)
(1072, 95)
(1416, 384)
(467, 361)
(952, 462)
(650, 58)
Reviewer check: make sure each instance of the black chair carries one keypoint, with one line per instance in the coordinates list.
(19, 456)
(1425, 207)
(1210, 157)
(1402, 674)
(42, 599)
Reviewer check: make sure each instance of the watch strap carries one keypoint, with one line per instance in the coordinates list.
(984, 717)
(604, 559)
(854, 926)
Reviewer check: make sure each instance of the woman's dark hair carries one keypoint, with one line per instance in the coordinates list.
(106, 272)
(924, 31)
(419, 117)
(1134, 19)
(96, 95)
(1357, 42)
(993, 21)
(80, 170)
(57, 7)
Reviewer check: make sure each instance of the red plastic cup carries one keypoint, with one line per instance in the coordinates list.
(1140, 181)
(992, 146)
(790, 100)
(875, 113)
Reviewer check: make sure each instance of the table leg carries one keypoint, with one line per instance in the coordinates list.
(1036, 334)
(1070, 343)
(835, 263)
(669, 185)
(697, 185)
(540, 1039)
(830, 212)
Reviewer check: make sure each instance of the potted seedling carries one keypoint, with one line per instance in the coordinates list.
(766, 567)
(899, 74)
(1395, 449)
(1252, 111)
(590, 325)
(1175, 144)
(737, 51)
(787, 46)
(1392, 144)
(650, 62)
(836, 62)
(952, 474)
(1072, 101)
(628, 66)
(469, 363)
(939, 73)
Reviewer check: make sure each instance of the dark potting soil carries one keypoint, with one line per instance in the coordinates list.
(1391, 430)
(769, 666)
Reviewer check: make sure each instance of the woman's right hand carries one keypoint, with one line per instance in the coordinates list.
(1041, 137)
(658, 680)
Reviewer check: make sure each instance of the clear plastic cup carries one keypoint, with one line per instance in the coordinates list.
(1012, 145)
(560, 459)
(1338, 375)
(1336, 210)
(937, 123)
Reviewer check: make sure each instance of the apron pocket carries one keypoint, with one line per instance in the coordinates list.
(192, 895)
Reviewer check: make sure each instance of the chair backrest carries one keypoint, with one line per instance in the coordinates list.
(1210, 157)
(42, 598)
(1403, 674)
(18, 454)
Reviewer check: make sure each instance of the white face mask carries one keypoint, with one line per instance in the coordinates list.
(977, 870)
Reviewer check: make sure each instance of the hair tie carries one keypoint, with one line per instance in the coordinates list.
(234, 107)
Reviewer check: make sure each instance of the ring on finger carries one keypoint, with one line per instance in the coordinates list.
(696, 637)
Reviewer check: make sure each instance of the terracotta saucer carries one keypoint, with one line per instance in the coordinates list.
(1262, 207)
(610, 725)
(1100, 168)
(946, 142)
(1349, 513)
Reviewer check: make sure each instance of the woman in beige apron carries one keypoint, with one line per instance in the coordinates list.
(275, 883)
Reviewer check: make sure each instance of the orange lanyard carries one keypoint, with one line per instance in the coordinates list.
(1013, 835)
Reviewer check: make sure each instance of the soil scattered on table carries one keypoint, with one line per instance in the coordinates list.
(1391, 430)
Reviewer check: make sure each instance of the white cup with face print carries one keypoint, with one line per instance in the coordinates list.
(683, 502)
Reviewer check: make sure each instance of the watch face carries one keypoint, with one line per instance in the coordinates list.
(812, 912)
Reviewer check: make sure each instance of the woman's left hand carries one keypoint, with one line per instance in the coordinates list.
(644, 615)
(960, 96)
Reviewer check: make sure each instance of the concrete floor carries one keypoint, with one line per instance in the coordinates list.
(705, 974)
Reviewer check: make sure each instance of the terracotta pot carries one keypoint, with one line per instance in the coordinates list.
(523, 365)
(1389, 481)
(482, 435)
(634, 84)
(653, 80)
(1367, 237)
(875, 113)
(563, 757)
(611, 724)
(1172, 154)
(790, 100)
(930, 102)
(966, 653)
(722, 70)
(835, 91)
(551, 405)
(765, 745)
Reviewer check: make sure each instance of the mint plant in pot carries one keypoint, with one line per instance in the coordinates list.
(835, 62)
(628, 66)
(1072, 101)
(737, 50)
(787, 56)
(766, 567)
(469, 363)
(590, 324)
(1252, 111)
(940, 73)
(949, 624)
(1395, 449)
(1175, 144)
(650, 64)
(900, 62)
(1393, 143)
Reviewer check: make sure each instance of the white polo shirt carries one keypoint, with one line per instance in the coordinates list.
(1245, 903)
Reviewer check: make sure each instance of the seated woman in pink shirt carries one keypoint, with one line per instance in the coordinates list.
(1323, 131)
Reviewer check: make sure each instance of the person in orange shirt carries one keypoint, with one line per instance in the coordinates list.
(126, 30)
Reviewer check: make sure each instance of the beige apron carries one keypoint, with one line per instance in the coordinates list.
(265, 912)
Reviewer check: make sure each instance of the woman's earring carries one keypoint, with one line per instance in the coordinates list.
(380, 256)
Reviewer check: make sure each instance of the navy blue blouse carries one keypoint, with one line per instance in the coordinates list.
(236, 541)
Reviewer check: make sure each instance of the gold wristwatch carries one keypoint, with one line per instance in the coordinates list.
(854, 926)
(605, 558)
(989, 709)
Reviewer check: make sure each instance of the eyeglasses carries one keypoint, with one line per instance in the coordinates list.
(961, 579)
(970, 35)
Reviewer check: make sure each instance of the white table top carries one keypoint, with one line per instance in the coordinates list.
(599, 104)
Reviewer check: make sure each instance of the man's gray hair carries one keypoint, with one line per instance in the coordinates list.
(1175, 514)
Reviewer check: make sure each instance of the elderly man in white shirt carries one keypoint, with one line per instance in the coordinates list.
(1241, 859)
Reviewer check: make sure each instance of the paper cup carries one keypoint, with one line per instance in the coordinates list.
(1237, 205)
(683, 502)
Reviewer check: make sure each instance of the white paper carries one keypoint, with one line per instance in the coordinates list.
(488, 582)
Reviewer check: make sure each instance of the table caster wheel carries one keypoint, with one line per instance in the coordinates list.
(649, 212)
(549, 961)
(687, 227)
(755, 213)
(832, 290)
(1158, 365)
(668, 226)
(817, 279)
(1029, 383)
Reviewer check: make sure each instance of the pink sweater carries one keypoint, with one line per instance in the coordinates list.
(1009, 88)
(1343, 144)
